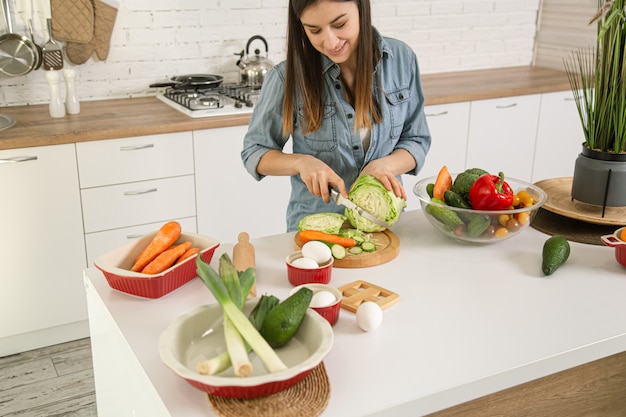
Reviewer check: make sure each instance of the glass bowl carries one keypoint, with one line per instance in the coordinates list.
(502, 224)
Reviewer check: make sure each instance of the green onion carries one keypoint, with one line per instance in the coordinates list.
(250, 334)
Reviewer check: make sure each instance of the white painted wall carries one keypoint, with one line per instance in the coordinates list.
(156, 39)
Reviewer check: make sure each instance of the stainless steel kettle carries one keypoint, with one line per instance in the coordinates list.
(253, 69)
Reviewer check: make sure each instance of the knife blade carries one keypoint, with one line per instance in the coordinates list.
(341, 200)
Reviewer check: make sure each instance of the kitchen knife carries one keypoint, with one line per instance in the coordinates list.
(341, 200)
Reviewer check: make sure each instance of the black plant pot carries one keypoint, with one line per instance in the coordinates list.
(600, 178)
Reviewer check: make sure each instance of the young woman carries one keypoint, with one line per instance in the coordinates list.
(351, 101)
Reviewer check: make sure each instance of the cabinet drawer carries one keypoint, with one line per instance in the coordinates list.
(100, 243)
(117, 161)
(138, 203)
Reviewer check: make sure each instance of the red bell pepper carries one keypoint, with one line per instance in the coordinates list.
(491, 192)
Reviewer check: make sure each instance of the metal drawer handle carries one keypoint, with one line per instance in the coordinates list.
(443, 113)
(136, 147)
(140, 192)
(135, 236)
(16, 159)
(507, 106)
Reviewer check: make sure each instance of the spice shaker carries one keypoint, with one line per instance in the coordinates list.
(72, 105)
(57, 109)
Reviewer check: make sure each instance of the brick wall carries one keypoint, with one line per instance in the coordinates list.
(157, 39)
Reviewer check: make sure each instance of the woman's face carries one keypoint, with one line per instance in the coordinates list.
(333, 28)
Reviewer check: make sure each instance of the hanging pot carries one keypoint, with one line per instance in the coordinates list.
(18, 54)
(193, 81)
(255, 68)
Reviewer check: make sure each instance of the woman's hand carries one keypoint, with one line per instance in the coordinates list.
(387, 169)
(318, 177)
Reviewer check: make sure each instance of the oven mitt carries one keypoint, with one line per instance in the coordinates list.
(72, 20)
(105, 12)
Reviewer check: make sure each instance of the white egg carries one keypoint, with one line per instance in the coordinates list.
(369, 316)
(316, 250)
(305, 263)
(322, 299)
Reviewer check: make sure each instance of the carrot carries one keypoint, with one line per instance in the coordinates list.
(308, 235)
(190, 252)
(442, 184)
(166, 259)
(165, 237)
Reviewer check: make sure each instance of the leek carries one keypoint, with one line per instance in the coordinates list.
(222, 361)
(248, 332)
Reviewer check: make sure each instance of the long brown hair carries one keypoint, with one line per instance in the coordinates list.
(304, 72)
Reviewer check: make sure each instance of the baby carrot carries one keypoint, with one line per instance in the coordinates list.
(307, 235)
(190, 252)
(165, 237)
(166, 259)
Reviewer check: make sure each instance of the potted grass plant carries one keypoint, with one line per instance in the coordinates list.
(597, 77)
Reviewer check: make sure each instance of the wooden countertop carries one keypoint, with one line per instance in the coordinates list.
(119, 118)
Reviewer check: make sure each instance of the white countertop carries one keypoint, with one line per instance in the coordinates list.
(471, 320)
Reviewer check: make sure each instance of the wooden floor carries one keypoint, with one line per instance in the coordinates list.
(52, 381)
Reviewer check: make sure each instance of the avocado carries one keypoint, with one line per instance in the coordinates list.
(556, 250)
(283, 321)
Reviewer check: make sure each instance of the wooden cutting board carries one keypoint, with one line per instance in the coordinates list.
(560, 202)
(387, 248)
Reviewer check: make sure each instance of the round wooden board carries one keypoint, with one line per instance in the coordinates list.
(560, 202)
(387, 248)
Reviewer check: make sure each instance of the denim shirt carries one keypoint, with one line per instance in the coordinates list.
(398, 86)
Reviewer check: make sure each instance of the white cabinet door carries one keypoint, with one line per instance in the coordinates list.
(559, 137)
(42, 246)
(448, 124)
(229, 200)
(136, 203)
(502, 134)
(116, 161)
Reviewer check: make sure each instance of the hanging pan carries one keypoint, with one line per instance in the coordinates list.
(192, 81)
(18, 54)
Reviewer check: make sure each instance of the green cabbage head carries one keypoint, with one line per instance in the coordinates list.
(372, 196)
(324, 222)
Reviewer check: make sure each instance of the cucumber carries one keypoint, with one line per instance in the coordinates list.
(455, 199)
(478, 225)
(355, 250)
(283, 321)
(449, 218)
(368, 247)
(338, 251)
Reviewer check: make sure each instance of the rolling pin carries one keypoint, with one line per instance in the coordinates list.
(243, 256)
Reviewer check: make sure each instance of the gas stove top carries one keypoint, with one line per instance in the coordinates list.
(226, 99)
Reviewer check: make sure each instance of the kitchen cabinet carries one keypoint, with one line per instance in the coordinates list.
(42, 297)
(229, 200)
(502, 135)
(559, 137)
(132, 186)
(448, 124)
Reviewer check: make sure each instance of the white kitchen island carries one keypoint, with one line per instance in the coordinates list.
(471, 321)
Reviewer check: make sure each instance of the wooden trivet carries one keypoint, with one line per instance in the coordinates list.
(358, 292)
(308, 398)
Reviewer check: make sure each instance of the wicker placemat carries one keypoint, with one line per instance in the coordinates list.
(571, 229)
(308, 398)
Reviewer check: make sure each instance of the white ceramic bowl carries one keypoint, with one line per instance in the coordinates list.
(198, 335)
(491, 235)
